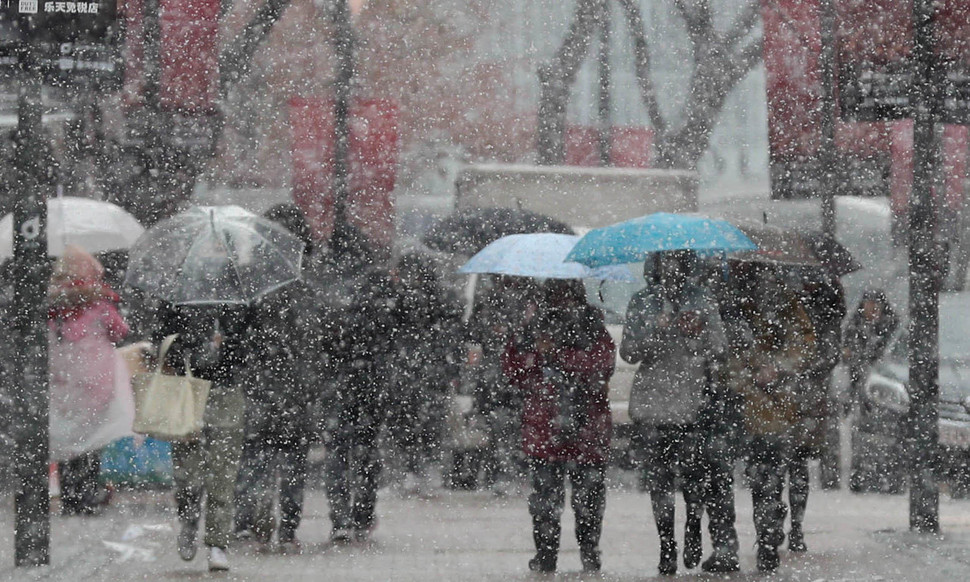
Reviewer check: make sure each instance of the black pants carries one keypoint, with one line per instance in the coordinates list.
(354, 464)
(264, 457)
(671, 451)
(719, 501)
(768, 463)
(548, 498)
(80, 489)
(798, 483)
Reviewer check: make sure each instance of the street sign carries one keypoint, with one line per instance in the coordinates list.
(71, 40)
(871, 92)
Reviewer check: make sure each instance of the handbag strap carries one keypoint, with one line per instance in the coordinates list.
(163, 351)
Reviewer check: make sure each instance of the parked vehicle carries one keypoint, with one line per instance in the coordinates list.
(877, 456)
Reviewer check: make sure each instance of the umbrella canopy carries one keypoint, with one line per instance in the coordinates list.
(214, 255)
(92, 225)
(833, 254)
(631, 241)
(469, 230)
(539, 255)
(777, 245)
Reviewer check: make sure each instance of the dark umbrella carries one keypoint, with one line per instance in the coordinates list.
(834, 256)
(777, 245)
(469, 230)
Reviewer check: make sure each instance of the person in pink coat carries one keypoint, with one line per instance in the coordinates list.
(562, 364)
(91, 402)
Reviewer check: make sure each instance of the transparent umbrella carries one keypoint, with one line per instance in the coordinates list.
(214, 255)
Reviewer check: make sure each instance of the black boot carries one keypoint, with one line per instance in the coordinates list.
(668, 557)
(767, 557)
(543, 561)
(796, 539)
(590, 557)
(692, 541)
(721, 563)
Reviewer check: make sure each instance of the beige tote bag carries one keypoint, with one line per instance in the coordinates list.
(169, 408)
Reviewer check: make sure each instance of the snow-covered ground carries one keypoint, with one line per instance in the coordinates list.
(474, 536)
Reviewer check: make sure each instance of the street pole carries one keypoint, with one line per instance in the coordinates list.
(923, 416)
(605, 98)
(343, 44)
(32, 401)
(827, 156)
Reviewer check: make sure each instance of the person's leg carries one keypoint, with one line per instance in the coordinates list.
(71, 477)
(692, 470)
(222, 467)
(252, 484)
(188, 466)
(545, 506)
(798, 485)
(368, 462)
(659, 475)
(719, 503)
(589, 503)
(767, 485)
(293, 471)
(338, 475)
(831, 458)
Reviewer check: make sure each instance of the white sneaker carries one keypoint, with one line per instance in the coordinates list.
(218, 560)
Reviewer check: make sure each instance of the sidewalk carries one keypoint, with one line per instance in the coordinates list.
(473, 536)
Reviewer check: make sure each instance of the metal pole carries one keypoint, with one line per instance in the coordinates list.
(32, 401)
(605, 100)
(827, 153)
(923, 417)
(343, 44)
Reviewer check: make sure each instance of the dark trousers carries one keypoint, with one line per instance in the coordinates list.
(671, 451)
(263, 458)
(354, 464)
(719, 503)
(768, 463)
(80, 489)
(798, 483)
(548, 498)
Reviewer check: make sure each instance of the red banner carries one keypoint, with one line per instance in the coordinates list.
(189, 54)
(374, 149)
(630, 147)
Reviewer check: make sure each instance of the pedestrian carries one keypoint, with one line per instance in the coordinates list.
(358, 295)
(211, 342)
(562, 364)
(501, 311)
(823, 298)
(674, 332)
(866, 336)
(768, 374)
(90, 399)
(284, 344)
(428, 334)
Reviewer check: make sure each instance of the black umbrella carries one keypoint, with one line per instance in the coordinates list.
(832, 254)
(469, 230)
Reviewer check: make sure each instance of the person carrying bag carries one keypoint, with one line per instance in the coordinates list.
(169, 407)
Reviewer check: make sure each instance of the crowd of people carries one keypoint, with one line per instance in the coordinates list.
(732, 364)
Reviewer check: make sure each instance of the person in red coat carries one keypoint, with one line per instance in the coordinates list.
(562, 365)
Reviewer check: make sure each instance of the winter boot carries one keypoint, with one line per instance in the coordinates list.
(590, 557)
(544, 561)
(668, 557)
(767, 557)
(796, 539)
(692, 541)
(186, 540)
(721, 563)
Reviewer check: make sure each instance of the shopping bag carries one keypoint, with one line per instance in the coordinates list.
(167, 407)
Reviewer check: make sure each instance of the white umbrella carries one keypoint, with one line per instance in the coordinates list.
(93, 225)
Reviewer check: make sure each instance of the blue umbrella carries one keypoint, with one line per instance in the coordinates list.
(631, 241)
(538, 255)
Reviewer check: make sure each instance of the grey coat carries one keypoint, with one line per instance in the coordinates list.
(669, 386)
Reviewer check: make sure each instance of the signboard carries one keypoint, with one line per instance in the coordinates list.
(875, 41)
(72, 40)
(189, 67)
(374, 149)
(792, 53)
